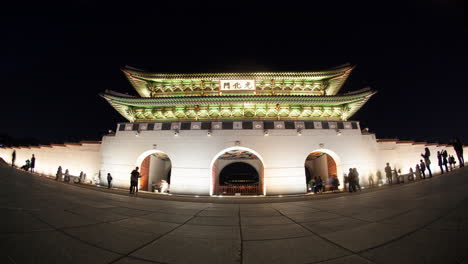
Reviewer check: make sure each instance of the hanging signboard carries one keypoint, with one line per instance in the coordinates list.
(237, 85)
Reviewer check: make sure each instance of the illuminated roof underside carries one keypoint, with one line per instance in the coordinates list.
(239, 107)
(148, 84)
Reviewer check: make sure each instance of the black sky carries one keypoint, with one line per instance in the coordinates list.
(55, 59)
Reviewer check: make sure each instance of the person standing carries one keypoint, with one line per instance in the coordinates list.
(426, 156)
(351, 180)
(458, 147)
(439, 159)
(58, 175)
(379, 177)
(371, 180)
(444, 159)
(423, 169)
(411, 174)
(356, 179)
(33, 163)
(134, 181)
(346, 182)
(13, 158)
(418, 172)
(388, 173)
(109, 180)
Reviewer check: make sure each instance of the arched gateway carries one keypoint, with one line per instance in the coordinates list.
(237, 171)
(194, 115)
(155, 171)
(322, 163)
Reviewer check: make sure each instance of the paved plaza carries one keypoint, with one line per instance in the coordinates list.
(43, 221)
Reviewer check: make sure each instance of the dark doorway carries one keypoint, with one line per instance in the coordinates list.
(238, 173)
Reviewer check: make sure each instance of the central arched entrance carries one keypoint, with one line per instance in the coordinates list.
(320, 165)
(237, 171)
(155, 172)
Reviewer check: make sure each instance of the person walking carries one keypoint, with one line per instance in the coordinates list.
(439, 159)
(109, 180)
(134, 181)
(426, 155)
(388, 173)
(13, 158)
(33, 163)
(458, 147)
(444, 159)
(423, 168)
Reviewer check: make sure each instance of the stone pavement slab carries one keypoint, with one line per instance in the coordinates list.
(422, 222)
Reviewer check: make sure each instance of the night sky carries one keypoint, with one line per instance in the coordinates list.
(55, 59)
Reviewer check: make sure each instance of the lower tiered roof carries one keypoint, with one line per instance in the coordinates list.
(226, 107)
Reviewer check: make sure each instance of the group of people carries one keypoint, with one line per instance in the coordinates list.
(317, 185)
(29, 165)
(446, 162)
(352, 181)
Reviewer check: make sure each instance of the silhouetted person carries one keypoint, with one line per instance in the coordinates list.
(28, 165)
(444, 159)
(439, 159)
(13, 158)
(58, 175)
(388, 173)
(109, 180)
(426, 156)
(397, 177)
(356, 179)
(134, 180)
(418, 172)
(452, 162)
(319, 184)
(423, 168)
(458, 147)
(346, 182)
(379, 177)
(411, 174)
(370, 179)
(33, 163)
(66, 177)
(351, 180)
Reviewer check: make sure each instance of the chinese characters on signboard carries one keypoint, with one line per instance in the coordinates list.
(237, 85)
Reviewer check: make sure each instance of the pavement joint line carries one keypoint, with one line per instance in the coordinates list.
(336, 258)
(325, 239)
(241, 237)
(411, 232)
(76, 238)
(154, 240)
(283, 238)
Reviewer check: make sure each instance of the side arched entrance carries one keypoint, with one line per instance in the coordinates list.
(322, 164)
(155, 171)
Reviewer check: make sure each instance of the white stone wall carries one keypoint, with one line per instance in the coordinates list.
(193, 153)
(74, 157)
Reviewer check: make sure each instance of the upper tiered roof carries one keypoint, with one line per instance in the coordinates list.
(149, 84)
